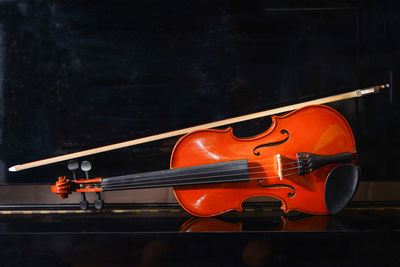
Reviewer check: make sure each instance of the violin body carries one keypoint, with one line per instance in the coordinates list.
(272, 160)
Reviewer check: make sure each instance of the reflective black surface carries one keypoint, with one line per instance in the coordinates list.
(166, 236)
(76, 75)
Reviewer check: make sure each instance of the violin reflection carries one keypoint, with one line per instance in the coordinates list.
(210, 225)
(310, 223)
(261, 252)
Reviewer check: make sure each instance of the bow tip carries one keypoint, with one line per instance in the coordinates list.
(12, 169)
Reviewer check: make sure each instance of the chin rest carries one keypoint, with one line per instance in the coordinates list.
(340, 187)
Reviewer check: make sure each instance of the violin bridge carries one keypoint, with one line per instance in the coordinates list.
(279, 166)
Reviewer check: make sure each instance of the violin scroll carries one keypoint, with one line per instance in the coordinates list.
(63, 187)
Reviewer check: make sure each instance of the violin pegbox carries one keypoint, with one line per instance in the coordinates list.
(63, 187)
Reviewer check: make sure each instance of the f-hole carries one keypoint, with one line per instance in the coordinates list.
(290, 194)
(283, 131)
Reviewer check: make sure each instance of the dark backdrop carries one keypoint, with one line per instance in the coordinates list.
(81, 74)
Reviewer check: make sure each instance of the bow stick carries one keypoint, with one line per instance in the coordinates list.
(343, 96)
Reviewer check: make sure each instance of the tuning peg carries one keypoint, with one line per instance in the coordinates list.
(98, 203)
(86, 166)
(73, 165)
(84, 204)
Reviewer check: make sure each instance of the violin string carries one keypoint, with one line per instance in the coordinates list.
(207, 172)
(110, 182)
(146, 185)
(143, 185)
(208, 178)
(187, 179)
(165, 178)
(260, 166)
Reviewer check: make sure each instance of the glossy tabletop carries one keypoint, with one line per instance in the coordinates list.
(167, 236)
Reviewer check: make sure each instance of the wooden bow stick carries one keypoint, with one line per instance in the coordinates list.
(356, 93)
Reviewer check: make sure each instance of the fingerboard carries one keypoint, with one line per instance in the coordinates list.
(222, 172)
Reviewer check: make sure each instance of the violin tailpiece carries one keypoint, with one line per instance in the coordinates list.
(308, 162)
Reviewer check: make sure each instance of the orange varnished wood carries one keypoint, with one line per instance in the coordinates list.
(88, 181)
(314, 129)
(92, 189)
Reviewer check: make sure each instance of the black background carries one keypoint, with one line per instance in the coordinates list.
(81, 74)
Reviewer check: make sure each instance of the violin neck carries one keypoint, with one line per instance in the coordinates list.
(222, 172)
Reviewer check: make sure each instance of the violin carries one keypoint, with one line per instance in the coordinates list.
(306, 159)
